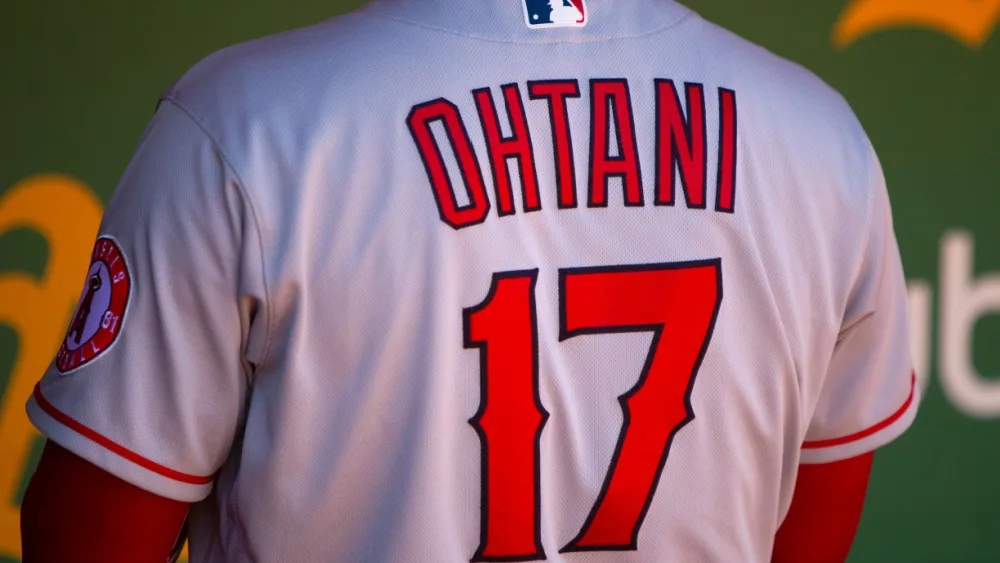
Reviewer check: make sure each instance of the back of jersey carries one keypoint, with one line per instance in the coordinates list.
(492, 281)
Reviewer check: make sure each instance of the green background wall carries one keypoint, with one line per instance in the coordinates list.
(79, 80)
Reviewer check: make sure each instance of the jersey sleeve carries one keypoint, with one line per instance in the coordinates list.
(151, 379)
(869, 394)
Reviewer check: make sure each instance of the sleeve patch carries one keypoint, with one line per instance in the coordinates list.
(100, 312)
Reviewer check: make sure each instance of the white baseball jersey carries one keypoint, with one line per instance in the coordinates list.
(440, 281)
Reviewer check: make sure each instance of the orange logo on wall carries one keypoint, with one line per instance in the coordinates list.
(968, 21)
(66, 214)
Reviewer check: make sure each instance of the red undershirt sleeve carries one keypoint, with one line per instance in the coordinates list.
(76, 511)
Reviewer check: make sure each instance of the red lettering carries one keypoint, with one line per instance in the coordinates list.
(725, 196)
(612, 96)
(420, 119)
(681, 151)
(517, 146)
(510, 419)
(557, 92)
(680, 143)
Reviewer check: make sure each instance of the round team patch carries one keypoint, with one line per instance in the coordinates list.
(101, 309)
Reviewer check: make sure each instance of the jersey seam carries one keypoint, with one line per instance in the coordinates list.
(875, 195)
(238, 520)
(773, 302)
(541, 42)
(208, 550)
(872, 196)
(241, 533)
(268, 327)
(848, 329)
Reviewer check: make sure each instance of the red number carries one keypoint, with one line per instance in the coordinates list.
(677, 302)
(510, 418)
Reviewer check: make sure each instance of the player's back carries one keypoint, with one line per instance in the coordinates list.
(508, 291)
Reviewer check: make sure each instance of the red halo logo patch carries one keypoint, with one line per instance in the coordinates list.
(101, 309)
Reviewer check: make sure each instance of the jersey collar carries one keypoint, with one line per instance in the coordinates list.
(505, 21)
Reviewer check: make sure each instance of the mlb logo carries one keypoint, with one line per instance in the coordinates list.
(540, 14)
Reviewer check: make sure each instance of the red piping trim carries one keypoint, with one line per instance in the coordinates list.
(114, 447)
(868, 431)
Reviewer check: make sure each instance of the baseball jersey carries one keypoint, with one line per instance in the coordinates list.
(441, 281)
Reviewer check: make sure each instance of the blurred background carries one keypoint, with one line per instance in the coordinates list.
(79, 80)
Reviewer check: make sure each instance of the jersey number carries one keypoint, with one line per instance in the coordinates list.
(677, 302)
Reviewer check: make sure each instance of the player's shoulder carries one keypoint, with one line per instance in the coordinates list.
(788, 106)
(770, 80)
(282, 76)
(751, 61)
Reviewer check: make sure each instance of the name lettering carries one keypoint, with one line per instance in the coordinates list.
(681, 150)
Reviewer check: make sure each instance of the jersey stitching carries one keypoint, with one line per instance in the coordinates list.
(872, 182)
(871, 430)
(241, 533)
(208, 550)
(211, 537)
(509, 41)
(268, 328)
(848, 329)
(773, 302)
(887, 237)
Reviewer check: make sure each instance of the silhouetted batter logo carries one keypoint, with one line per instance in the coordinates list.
(99, 314)
(555, 13)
